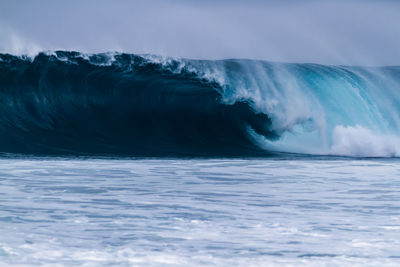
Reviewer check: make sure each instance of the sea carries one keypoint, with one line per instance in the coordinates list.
(117, 159)
(199, 212)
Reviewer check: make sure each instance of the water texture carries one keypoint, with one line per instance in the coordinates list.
(196, 212)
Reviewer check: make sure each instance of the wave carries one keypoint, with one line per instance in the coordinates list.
(66, 102)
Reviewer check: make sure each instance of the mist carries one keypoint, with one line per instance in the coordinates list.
(326, 32)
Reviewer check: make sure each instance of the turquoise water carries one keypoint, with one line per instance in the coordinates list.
(224, 212)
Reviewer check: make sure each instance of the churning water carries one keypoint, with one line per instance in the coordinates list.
(192, 212)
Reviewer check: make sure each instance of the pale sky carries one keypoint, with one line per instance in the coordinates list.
(355, 32)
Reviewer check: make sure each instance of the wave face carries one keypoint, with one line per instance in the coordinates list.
(141, 105)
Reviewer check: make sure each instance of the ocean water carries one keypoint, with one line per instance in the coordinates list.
(200, 162)
(199, 212)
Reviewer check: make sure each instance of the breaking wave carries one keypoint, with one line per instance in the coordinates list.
(143, 105)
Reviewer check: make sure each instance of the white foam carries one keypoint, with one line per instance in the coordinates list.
(358, 141)
(207, 70)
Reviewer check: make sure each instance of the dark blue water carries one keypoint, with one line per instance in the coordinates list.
(68, 103)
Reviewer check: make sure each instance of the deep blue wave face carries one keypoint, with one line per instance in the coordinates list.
(65, 103)
(129, 105)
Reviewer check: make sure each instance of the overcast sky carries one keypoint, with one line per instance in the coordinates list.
(329, 32)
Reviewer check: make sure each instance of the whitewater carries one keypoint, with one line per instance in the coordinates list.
(117, 159)
(199, 212)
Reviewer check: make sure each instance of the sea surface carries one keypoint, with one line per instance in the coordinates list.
(199, 212)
